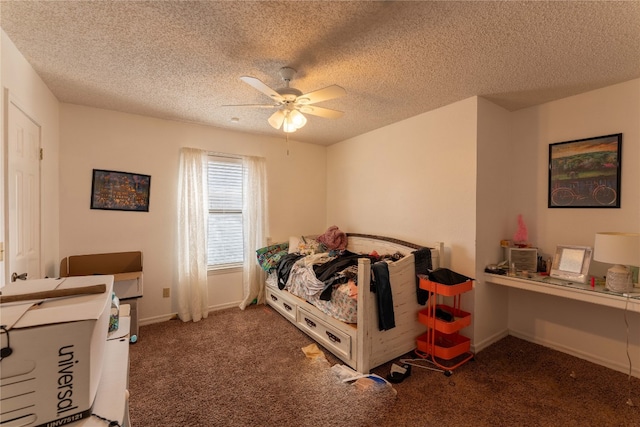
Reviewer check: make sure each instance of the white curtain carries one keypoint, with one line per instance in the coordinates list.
(193, 295)
(255, 228)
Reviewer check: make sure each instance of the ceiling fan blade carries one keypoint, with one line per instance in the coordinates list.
(276, 119)
(252, 105)
(321, 112)
(320, 95)
(257, 84)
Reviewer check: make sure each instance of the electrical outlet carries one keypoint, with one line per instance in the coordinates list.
(166, 292)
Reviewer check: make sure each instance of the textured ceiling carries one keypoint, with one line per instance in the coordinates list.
(182, 60)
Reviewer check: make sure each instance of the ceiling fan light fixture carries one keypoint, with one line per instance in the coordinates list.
(288, 126)
(290, 102)
(297, 119)
(277, 119)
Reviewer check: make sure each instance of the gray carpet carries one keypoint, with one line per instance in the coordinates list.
(241, 368)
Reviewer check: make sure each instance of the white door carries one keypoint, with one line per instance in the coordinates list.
(23, 196)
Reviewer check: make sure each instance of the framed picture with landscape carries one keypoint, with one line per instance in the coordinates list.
(120, 191)
(585, 173)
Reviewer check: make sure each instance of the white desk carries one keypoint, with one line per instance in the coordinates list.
(576, 291)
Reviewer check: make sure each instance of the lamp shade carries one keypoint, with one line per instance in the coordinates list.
(297, 119)
(617, 248)
(276, 119)
(288, 125)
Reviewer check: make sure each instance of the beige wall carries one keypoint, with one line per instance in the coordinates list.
(20, 82)
(494, 218)
(461, 174)
(414, 180)
(590, 331)
(99, 139)
(615, 109)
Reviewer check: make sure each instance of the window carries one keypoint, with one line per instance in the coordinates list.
(224, 240)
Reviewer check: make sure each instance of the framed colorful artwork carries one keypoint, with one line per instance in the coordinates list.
(120, 191)
(585, 173)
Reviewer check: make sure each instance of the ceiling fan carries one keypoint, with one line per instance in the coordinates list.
(291, 102)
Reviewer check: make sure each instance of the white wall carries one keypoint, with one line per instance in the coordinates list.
(494, 218)
(414, 180)
(439, 176)
(593, 332)
(615, 109)
(20, 82)
(465, 172)
(100, 139)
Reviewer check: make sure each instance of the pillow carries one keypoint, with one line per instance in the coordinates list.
(294, 242)
(269, 256)
(306, 245)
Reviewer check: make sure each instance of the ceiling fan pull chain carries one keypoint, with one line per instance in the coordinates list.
(287, 144)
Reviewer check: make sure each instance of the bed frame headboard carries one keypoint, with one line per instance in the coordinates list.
(365, 243)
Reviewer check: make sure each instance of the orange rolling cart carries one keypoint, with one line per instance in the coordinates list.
(442, 344)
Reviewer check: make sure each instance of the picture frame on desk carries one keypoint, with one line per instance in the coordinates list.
(585, 173)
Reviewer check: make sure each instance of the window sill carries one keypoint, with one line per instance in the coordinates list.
(212, 271)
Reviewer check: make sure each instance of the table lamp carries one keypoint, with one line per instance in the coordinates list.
(621, 249)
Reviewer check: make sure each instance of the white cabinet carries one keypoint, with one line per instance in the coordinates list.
(112, 397)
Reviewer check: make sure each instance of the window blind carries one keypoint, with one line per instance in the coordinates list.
(224, 240)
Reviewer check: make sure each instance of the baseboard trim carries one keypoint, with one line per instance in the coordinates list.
(479, 346)
(620, 367)
(172, 316)
(224, 306)
(157, 319)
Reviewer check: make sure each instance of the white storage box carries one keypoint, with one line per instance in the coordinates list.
(128, 285)
(52, 374)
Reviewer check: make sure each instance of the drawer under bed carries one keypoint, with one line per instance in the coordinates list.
(336, 341)
(285, 305)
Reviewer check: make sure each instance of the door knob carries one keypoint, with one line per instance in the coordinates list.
(16, 276)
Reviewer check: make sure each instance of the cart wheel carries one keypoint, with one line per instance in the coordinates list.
(448, 373)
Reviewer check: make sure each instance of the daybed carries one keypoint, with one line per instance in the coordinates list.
(363, 345)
